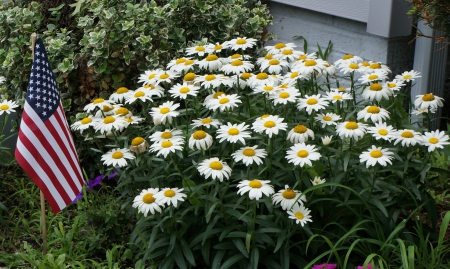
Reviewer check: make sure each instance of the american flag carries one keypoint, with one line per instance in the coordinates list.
(45, 147)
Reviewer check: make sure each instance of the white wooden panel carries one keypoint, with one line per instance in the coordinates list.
(357, 10)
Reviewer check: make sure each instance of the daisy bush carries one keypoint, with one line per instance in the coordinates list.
(240, 155)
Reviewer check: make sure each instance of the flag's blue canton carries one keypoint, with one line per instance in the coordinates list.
(42, 94)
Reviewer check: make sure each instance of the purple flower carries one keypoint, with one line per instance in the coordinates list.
(325, 266)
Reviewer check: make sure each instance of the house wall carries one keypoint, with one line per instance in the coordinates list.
(347, 36)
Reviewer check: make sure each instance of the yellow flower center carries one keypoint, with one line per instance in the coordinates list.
(139, 94)
(4, 107)
(189, 77)
(301, 57)
(407, 134)
(241, 41)
(166, 135)
(107, 108)
(310, 63)
(287, 52)
(216, 165)
(224, 101)
(353, 66)
(383, 132)
(262, 76)
(200, 48)
(365, 64)
(151, 76)
(284, 95)
(210, 77)
(347, 56)
(312, 101)
(218, 47)
(269, 124)
(184, 90)
(137, 141)
(256, 184)
(274, 62)
(428, 97)
(212, 57)
(117, 155)
(376, 153)
(188, 62)
(433, 140)
(284, 86)
(268, 56)
(299, 215)
(98, 101)
(288, 194)
(391, 85)
(164, 110)
(217, 94)
(122, 90)
(268, 88)
(302, 153)
(129, 120)
(373, 77)
(233, 131)
(249, 152)
(337, 97)
(237, 63)
(264, 116)
(351, 125)
(199, 135)
(148, 198)
(373, 110)
(376, 87)
(280, 46)
(166, 144)
(83, 121)
(169, 193)
(300, 129)
(326, 118)
(294, 74)
(122, 111)
(342, 89)
(109, 119)
(180, 61)
(246, 75)
(164, 76)
(375, 66)
(407, 76)
(235, 56)
(206, 121)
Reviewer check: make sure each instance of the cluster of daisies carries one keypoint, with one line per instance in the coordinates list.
(7, 106)
(220, 77)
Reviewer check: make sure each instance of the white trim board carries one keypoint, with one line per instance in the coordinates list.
(357, 10)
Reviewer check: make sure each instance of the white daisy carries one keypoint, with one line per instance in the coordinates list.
(248, 155)
(277, 48)
(269, 125)
(422, 111)
(326, 140)
(428, 100)
(382, 131)
(146, 202)
(119, 95)
(289, 55)
(313, 102)
(237, 67)
(183, 90)
(165, 147)
(132, 120)
(168, 196)
(206, 122)
(408, 76)
(168, 134)
(268, 88)
(292, 77)
(289, 95)
(394, 85)
(138, 145)
(348, 59)
(300, 134)
(255, 188)
(223, 102)
(328, 119)
(211, 63)
(350, 68)
(300, 214)
(214, 168)
(98, 103)
(376, 155)
(338, 96)
(236, 56)
(166, 76)
(85, 123)
(274, 66)
(407, 137)
(214, 81)
(214, 48)
(240, 43)
(309, 66)
(200, 140)
(149, 77)
(185, 66)
(199, 50)
(374, 113)
(107, 124)
(372, 77)
(175, 64)
(376, 91)
(117, 157)
(288, 198)
(317, 181)
(435, 139)
(143, 94)
(328, 70)
(260, 79)
(152, 90)
(377, 67)
(301, 154)
(164, 113)
(233, 133)
(351, 129)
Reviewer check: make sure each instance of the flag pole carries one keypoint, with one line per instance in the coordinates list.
(43, 215)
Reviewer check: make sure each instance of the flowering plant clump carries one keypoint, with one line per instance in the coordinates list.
(231, 157)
